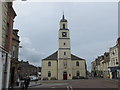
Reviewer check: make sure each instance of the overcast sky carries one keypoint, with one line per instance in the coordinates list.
(93, 28)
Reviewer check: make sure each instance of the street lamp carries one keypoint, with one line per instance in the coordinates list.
(36, 75)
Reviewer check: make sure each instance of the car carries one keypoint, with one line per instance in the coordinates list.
(33, 78)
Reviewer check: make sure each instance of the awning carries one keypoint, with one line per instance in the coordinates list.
(113, 69)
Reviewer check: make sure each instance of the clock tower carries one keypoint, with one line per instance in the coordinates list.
(64, 51)
(62, 65)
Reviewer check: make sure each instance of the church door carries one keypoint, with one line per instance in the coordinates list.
(65, 76)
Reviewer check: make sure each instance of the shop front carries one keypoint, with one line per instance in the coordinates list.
(115, 72)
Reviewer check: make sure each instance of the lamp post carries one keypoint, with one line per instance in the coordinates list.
(36, 75)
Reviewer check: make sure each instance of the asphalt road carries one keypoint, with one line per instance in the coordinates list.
(82, 84)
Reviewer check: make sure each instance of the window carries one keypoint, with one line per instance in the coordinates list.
(49, 74)
(77, 63)
(64, 53)
(113, 53)
(64, 34)
(65, 63)
(14, 51)
(114, 62)
(63, 26)
(77, 73)
(49, 63)
(117, 63)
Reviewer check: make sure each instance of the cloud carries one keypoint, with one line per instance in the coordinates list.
(93, 28)
(28, 53)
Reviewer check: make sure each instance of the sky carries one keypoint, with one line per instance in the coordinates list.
(93, 28)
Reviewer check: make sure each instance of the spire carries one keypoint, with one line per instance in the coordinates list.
(63, 16)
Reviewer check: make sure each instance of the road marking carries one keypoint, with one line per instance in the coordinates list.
(52, 87)
(71, 88)
(68, 88)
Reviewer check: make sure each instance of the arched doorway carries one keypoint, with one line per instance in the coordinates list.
(65, 76)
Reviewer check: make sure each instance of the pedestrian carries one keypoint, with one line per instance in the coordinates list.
(22, 86)
(108, 76)
(27, 82)
(17, 82)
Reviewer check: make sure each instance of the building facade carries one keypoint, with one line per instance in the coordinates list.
(114, 61)
(14, 59)
(8, 15)
(26, 69)
(108, 65)
(63, 65)
(100, 66)
(1, 45)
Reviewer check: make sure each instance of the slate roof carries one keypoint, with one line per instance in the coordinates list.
(73, 57)
(54, 57)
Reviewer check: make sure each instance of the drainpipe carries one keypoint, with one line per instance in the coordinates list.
(57, 69)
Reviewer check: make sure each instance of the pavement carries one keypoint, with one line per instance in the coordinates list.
(32, 84)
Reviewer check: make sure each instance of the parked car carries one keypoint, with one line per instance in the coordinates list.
(79, 77)
(45, 78)
(53, 78)
(75, 77)
(33, 78)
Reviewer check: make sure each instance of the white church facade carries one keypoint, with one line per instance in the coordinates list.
(62, 65)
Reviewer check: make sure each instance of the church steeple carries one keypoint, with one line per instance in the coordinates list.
(63, 23)
(64, 50)
(63, 16)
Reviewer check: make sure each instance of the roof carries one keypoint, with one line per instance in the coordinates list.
(73, 57)
(63, 19)
(54, 57)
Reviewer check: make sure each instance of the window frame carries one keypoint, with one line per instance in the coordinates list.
(64, 53)
(49, 73)
(77, 63)
(63, 26)
(77, 73)
(49, 64)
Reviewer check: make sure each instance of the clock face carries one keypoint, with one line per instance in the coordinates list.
(64, 34)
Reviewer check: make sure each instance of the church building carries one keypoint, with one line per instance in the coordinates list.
(62, 65)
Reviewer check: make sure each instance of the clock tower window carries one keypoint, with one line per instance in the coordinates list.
(63, 26)
(64, 53)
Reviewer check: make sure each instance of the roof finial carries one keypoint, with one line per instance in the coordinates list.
(63, 15)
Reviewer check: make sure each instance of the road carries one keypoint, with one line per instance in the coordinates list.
(76, 84)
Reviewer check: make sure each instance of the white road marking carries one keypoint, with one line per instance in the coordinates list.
(71, 88)
(68, 88)
(52, 87)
